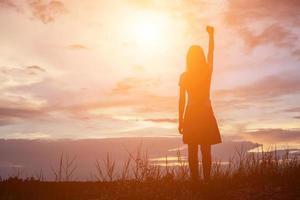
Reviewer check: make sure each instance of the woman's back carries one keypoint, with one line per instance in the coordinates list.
(197, 86)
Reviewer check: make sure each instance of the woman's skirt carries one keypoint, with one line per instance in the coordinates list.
(200, 125)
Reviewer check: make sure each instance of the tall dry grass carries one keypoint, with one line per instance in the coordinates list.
(241, 165)
(246, 175)
(138, 167)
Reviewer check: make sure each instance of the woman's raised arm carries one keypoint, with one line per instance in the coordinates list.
(210, 55)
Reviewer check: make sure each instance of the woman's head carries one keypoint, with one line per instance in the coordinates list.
(195, 59)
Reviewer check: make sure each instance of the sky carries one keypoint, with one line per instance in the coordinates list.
(98, 69)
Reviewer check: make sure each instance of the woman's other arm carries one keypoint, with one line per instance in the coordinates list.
(181, 108)
(210, 55)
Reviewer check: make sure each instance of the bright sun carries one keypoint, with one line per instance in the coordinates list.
(150, 29)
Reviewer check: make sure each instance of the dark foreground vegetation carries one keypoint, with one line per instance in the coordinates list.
(262, 175)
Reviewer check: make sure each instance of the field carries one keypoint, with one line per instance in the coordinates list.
(262, 175)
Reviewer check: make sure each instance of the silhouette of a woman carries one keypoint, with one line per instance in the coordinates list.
(197, 122)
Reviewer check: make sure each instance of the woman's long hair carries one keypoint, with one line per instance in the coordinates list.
(197, 72)
(195, 60)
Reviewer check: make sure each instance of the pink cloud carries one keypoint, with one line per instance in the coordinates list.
(162, 120)
(45, 12)
(268, 87)
(13, 115)
(273, 34)
(241, 16)
(272, 136)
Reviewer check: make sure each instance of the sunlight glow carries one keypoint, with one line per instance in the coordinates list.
(150, 29)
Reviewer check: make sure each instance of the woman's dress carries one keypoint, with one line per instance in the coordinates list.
(199, 124)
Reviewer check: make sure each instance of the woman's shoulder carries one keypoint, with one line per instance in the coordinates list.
(183, 75)
(182, 78)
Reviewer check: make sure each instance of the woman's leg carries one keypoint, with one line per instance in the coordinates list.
(193, 161)
(206, 161)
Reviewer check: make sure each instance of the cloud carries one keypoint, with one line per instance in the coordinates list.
(36, 68)
(46, 12)
(27, 135)
(140, 104)
(8, 4)
(244, 18)
(19, 112)
(274, 34)
(130, 96)
(126, 85)
(18, 76)
(295, 109)
(12, 115)
(20, 105)
(252, 11)
(296, 54)
(77, 47)
(131, 84)
(266, 88)
(162, 120)
(21, 70)
(271, 136)
(5, 121)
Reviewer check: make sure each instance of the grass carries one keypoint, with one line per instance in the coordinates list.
(264, 175)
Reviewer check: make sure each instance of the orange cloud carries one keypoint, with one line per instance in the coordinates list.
(77, 46)
(162, 120)
(139, 104)
(46, 12)
(133, 83)
(8, 4)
